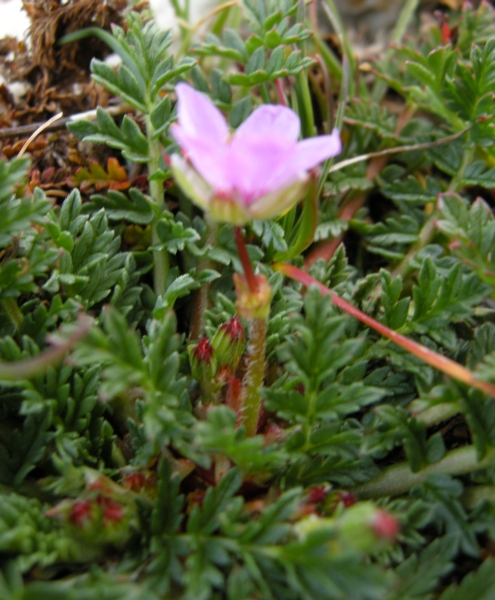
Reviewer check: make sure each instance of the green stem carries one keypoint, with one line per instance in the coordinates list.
(399, 479)
(254, 377)
(13, 311)
(161, 263)
(304, 105)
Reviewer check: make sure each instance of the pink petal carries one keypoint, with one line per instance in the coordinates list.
(276, 121)
(199, 117)
(253, 160)
(313, 151)
(209, 159)
(306, 154)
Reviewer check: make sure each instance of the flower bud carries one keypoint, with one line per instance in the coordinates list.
(363, 528)
(228, 343)
(202, 360)
(337, 498)
(367, 528)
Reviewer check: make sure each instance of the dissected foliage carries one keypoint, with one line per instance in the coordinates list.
(124, 469)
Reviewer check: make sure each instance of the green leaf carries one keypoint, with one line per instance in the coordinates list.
(479, 584)
(256, 62)
(136, 208)
(174, 236)
(240, 112)
(11, 174)
(421, 573)
(205, 519)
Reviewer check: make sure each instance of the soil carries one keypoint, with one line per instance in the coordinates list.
(46, 79)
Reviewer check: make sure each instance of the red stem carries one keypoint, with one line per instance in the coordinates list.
(280, 92)
(245, 261)
(442, 363)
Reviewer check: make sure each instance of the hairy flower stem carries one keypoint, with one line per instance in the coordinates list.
(399, 479)
(253, 379)
(245, 260)
(161, 262)
(254, 295)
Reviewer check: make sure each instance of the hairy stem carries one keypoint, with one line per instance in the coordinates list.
(161, 262)
(399, 479)
(255, 373)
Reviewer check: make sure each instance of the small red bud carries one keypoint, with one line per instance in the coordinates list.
(203, 352)
(80, 512)
(229, 342)
(234, 328)
(386, 526)
(347, 499)
(202, 360)
(113, 512)
(317, 494)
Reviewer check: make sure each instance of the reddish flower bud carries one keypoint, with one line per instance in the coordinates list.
(386, 526)
(229, 342)
(202, 360)
(317, 494)
(113, 512)
(203, 352)
(80, 513)
(337, 497)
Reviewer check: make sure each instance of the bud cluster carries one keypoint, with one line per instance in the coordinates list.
(214, 363)
(103, 514)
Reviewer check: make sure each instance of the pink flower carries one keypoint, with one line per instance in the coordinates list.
(255, 173)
